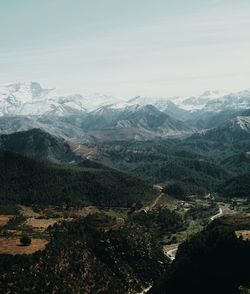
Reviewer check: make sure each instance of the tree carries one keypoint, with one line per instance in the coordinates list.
(25, 241)
(175, 189)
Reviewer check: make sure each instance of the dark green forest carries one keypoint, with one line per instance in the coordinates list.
(27, 181)
(198, 165)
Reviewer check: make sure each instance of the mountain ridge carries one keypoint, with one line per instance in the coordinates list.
(95, 117)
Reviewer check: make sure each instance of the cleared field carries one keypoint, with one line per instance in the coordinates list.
(245, 234)
(12, 246)
(41, 224)
(4, 219)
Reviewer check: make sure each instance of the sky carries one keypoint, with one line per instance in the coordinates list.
(127, 48)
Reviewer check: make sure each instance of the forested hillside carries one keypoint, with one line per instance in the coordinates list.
(26, 181)
(199, 163)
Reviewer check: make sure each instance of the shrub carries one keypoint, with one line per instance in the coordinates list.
(25, 240)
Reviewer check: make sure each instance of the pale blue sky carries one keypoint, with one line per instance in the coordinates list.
(132, 47)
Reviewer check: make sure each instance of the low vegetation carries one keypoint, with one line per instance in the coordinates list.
(80, 256)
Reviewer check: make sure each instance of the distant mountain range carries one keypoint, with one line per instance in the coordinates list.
(32, 99)
(89, 117)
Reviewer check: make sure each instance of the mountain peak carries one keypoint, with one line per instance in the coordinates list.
(211, 94)
(23, 91)
(242, 122)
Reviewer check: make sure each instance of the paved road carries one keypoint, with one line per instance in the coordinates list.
(170, 250)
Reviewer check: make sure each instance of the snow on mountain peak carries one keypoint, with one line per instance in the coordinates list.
(211, 94)
(201, 102)
(243, 122)
(159, 102)
(23, 91)
(32, 99)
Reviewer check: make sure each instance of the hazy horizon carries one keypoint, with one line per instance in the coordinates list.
(127, 48)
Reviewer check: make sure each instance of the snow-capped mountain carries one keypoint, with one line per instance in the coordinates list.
(91, 115)
(232, 101)
(148, 121)
(23, 92)
(160, 103)
(197, 103)
(215, 101)
(165, 105)
(209, 101)
(32, 99)
(23, 106)
(150, 118)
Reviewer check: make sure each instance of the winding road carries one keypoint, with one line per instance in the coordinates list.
(170, 250)
(217, 215)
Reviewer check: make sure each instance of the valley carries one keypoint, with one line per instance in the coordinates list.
(122, 197)
(154, 219)
(125, 147)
